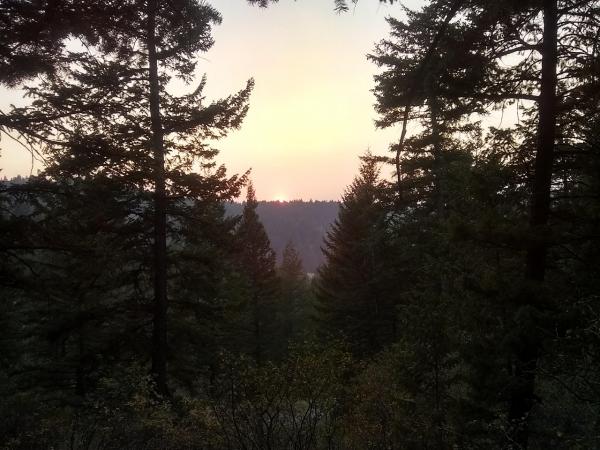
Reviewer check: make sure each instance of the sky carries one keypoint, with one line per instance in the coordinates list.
(311, 113)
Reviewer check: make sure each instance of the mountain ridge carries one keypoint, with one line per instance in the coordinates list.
(304, 223)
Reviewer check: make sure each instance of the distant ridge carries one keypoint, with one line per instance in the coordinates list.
(305, 223)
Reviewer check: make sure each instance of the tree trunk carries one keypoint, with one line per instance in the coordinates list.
(257, 331)
(159, 332)
(523, 395)
(438, 163)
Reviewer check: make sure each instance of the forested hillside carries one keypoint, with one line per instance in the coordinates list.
(304, 224)
(458, 302)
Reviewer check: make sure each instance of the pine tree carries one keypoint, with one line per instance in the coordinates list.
(256, 261)
(204, 283)
(351, 289)
(116, 119)
(295, 304)
(545, 50)
(555, 40)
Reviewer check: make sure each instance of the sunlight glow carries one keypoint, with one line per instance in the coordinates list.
(280, 198)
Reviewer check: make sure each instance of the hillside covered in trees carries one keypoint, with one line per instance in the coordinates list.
(304, 224)
(458, 304)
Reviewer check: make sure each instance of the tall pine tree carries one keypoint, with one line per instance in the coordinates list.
(111, 115)
(350, 289)
(256, 261)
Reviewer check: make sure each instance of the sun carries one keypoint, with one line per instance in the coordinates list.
(280, 198)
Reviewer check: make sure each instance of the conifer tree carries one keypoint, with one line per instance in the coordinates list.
(553, 36)
(115, 117)
(256, 261)
(294, 305)
(204, 283)
(548, 42)
(350, 292)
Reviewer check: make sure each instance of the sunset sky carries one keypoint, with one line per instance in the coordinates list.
(311, 113)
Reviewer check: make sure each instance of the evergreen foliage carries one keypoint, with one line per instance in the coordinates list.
(458, 305)
(128, 127)
(350, 286)
(296, 300)
(256, 260)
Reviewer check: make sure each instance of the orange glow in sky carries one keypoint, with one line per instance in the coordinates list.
(311, 113)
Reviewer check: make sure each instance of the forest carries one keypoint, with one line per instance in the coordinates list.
(297, 222)
(457, 305)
